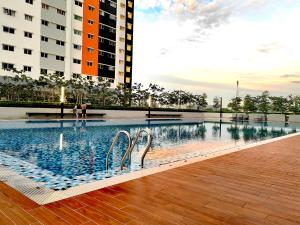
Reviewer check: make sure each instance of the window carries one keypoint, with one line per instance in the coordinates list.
(102, 13)
(78, 47)
(29, 1)
(45, 39)
(89, 63)
(27, 34)
(90, 36)
(128, 69)
(61, 12)
(112, 4)
(76, 61)
(112, 30)
(90, 50)
(128, 48)
(45, 23)
(101, 53)
(90, 22)
(77, 32)
(102, 27)
(44, 71)
(9, 12)
(8, 30)
(101, 40)
(27, 51)
(7, 66)
(27, 68)
(60, 58)
(28, 17)
(128, 80)
(112, 17)
(111, 56)
(58, 42)
(129, 15)
(111, 68)
(129, 26)
(78, 3)
(45, 6)
(128, 58)
(60, 73)
(76, 75)
(44, 55)
(8, 48)
(112, 43)
(130, 4)
(76, 17)
(60, 27)
(129, 37)
(89, 77)
(91, 8)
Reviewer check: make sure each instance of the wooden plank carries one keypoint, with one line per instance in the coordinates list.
(67, 214)
(47, 217)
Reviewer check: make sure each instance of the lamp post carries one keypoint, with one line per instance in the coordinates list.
(149, 107)
(62, 100)
(221, 106)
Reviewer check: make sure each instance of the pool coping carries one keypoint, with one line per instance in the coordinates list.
(43, 195)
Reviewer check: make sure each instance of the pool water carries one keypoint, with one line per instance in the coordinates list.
(63, 154)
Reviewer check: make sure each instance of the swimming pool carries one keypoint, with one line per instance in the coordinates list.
(63, 154)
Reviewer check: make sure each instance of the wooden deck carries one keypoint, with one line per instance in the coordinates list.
(258, 186)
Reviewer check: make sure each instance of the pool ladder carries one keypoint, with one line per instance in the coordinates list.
(129, 149)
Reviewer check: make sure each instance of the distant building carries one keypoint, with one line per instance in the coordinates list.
(93, 38)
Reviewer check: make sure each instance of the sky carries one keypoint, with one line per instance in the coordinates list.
(207, 45)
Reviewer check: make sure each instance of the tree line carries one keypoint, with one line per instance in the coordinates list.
(266, 103)
(78, 89)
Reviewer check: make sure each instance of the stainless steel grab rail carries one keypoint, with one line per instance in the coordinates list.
(146, 150)
(114, 142)
(129, 151)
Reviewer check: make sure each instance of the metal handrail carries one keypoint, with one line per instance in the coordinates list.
(146, 150)
(128, 153)
(114, 142)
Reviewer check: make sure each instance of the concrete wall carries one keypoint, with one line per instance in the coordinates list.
(276, 117)
(20, 113)
(7, 113)
(294, 118)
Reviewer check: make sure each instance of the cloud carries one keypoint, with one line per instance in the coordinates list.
(290, 76)
(268, 48)
(295, 82)
(212, 43)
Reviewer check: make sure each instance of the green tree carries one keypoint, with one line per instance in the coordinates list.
(216, 103)
(279, 104)
(139, 94)
(250, 104)
(201, 101)
(123, 95)
(235, 104)
(294, 103)
(264, 102)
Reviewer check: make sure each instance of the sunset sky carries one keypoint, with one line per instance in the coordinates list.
(205, 46)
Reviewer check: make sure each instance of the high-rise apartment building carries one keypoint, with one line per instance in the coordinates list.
(92, 38)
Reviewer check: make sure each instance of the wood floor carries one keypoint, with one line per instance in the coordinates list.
(258, 186)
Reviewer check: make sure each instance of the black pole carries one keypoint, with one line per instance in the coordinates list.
(62, 110)
(221, 106)
(149, 112)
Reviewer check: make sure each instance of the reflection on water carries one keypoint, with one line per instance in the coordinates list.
(81, 149)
